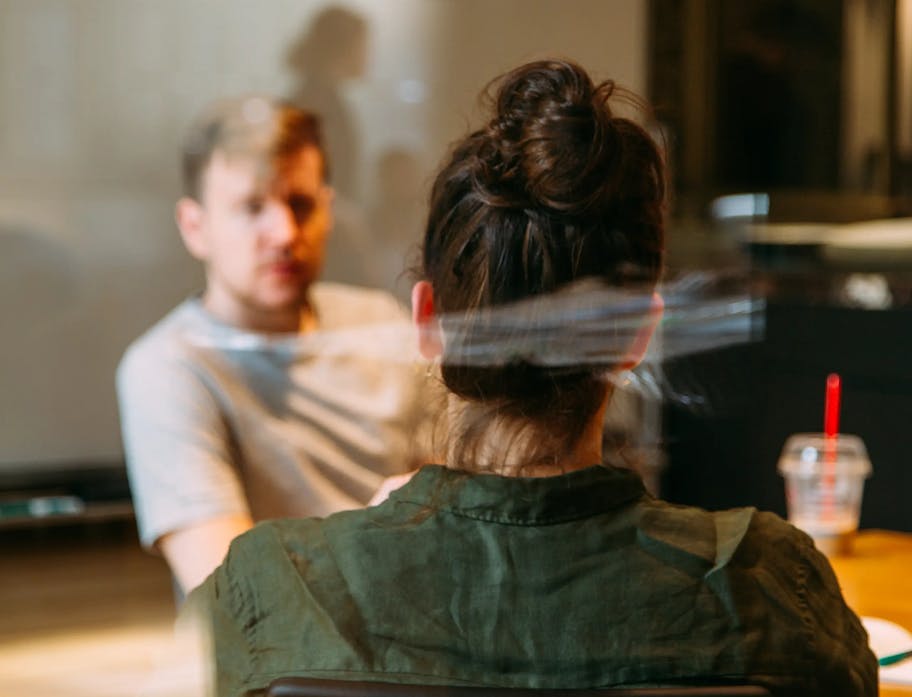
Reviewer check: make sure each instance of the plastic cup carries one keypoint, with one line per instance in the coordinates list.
(824, 480)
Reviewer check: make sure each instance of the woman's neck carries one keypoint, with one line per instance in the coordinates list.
(505, 446)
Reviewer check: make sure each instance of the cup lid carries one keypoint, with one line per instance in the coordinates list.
(806, 454)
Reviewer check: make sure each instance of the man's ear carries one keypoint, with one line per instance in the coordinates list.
(430, 339)
(189, 215)
(644, 334)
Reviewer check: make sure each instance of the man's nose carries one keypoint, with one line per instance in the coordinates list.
(281, 224)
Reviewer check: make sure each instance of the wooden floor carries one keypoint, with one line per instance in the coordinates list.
(83, 611)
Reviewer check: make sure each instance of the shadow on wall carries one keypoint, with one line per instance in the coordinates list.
(331, 51)
(396, 217)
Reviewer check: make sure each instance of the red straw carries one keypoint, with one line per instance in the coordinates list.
(830, 430)
(831, 408)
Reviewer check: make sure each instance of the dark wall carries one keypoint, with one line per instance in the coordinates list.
(777, 95)
(759, 394)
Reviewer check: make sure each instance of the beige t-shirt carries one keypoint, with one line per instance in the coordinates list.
(219, 421)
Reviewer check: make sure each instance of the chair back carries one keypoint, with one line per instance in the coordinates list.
(309, 687)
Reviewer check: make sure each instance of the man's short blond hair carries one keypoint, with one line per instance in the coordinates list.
(257, 127)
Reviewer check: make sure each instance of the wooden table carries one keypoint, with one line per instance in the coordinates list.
(876, 580)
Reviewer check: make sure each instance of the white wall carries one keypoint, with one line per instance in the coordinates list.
(95, 95)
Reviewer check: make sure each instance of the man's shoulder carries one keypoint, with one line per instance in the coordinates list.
(165, 342)
(341, 305)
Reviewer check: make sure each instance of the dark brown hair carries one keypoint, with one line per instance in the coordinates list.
(554, 189)
(260, 127)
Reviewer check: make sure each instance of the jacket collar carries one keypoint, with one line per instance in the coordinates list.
(522, 500)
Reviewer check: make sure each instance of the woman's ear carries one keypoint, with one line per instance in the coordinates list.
(644, 333)
(189, 215)
(430, 338)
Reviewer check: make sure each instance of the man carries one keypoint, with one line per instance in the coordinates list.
(252, 401)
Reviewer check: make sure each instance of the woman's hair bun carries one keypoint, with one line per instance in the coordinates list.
(552, 141)
(555, 189)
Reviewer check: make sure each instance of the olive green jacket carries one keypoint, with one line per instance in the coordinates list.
(578, 580)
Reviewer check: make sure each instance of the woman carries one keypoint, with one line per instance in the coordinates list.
(520, 560)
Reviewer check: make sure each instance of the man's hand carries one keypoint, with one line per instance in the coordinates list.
(389, 485)
(194, 552)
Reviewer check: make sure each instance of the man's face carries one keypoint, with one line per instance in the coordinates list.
(261, 233)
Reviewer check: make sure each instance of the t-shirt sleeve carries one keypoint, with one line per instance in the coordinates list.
(181, 459)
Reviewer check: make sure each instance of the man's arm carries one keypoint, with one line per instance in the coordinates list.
(196, 551)
(189, 498)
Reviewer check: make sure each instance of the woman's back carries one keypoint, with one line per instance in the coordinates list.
(579, 580)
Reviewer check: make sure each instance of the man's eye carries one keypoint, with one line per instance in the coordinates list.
(302, 206)
(254, 206)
